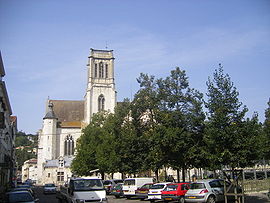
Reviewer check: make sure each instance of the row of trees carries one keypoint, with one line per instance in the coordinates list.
(169, 124)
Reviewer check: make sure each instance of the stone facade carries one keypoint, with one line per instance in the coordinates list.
(64, 119)
(8, 130)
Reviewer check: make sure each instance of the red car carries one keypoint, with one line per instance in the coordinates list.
(142, 192)
(175, 192)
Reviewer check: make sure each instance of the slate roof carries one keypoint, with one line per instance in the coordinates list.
(69, 113)
(55, 162)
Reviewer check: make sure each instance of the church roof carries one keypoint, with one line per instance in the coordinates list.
(50, 113)
(55, 162)
(68, 112)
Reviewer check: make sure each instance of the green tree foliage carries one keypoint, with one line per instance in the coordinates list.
(266, 128)
(87, 147)
(129, 148)
(184, 120)
(170, 118)
(145, 115)
(229, 136)
(25, 146)
(22, 155)
(165, 126)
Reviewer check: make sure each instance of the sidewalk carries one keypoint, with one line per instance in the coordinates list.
(256, 198)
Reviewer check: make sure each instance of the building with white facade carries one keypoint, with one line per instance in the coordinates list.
(29, 170)
(65, 119)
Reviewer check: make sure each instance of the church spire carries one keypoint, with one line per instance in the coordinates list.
(50, 114)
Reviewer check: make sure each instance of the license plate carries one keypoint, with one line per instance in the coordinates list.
(154, 192)
(192, 197)
(168, 198)
(143, 192)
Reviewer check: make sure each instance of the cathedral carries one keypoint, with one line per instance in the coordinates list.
(65, 119)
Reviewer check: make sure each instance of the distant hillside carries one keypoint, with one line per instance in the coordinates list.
(26, 147)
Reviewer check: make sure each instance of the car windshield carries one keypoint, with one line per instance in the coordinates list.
(197, 186)
(146, 186)
(158, 186)
(107, 182)
(85, 185)
(49, 185)
(171, 187)
(129, 182)
(20, 197)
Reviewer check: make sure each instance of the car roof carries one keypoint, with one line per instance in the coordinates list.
(18, 192)
(206, 180)
(86, 178)
(179, 183)
(162, 183)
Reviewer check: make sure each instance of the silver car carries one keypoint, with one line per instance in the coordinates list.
(49, 188)
(209, 191)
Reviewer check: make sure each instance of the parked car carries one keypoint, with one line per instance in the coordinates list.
(208, 190)
(155, 191)
(109, 184)
(175, 192)
(82, 189)
(132, 184)
(20, 196)
(142, 192)
(49, 188)
(24, 189)
(117, 190)
(23, 186)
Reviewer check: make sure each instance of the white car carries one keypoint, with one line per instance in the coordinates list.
(155, 191)
(49, 188)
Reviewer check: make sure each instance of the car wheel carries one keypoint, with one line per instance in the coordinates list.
(211, 199)
(181, 200)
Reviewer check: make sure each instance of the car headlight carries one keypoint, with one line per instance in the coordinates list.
(79, 201)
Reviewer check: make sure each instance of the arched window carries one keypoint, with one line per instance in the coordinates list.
(106, 71)
(96, 71)
(101, 70)
(69, 145)
(101, 103)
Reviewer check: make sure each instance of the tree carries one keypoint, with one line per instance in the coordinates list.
(26, 147)
(184, 120)
(145, 115)
(22, 155)
(266, 129)
(229, 136)
(87, 146)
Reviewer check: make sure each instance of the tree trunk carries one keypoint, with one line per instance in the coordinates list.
(156, 174)
(178, 176)
(183, 174)
(102, 175)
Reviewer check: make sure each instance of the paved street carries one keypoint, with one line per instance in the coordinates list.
(251, 198)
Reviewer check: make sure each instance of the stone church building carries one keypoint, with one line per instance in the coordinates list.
(64, 119)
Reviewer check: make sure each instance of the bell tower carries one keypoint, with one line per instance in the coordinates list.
(100, 92)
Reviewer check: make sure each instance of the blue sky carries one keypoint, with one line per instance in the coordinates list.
(45, 45)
